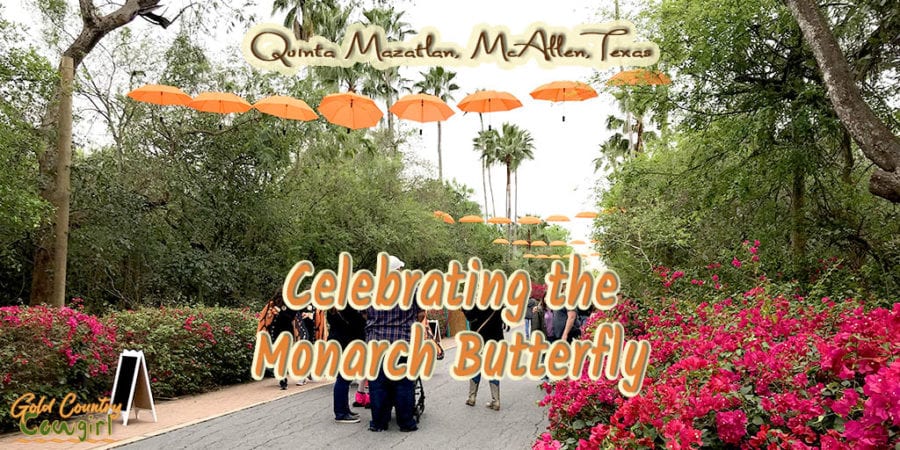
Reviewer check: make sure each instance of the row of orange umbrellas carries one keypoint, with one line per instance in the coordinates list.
(540, 243)
(356, 111)
(529, 255)
(524, 220)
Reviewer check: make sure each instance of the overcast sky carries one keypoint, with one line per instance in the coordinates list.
(560, 179)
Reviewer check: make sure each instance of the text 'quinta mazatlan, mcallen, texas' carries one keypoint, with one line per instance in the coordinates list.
(273, 47)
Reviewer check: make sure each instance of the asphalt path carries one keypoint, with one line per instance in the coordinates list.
(305, 420)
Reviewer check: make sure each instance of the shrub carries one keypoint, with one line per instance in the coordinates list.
(51, 352)
(190, 350)
(756, 370)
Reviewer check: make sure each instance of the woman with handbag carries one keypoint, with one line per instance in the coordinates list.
(488, 324)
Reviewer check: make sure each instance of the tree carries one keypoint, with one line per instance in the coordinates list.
(512, 146)
(48, 284)
(875, 139)
(486, 144)
(386, 84)
(438, 82)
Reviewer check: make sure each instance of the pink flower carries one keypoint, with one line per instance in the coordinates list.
(843, 406)
(754, 258)
(756, 243)
(731, 426)
(736, 262)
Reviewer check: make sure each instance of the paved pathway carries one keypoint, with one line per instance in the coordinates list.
(305, 420)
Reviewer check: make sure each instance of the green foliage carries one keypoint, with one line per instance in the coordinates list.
(190, 351)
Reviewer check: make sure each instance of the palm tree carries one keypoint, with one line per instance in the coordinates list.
(305, 17)
(513, 146)
(386, 84)
(438, 82)
(486, 143)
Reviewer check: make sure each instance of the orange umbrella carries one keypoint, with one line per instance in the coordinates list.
(539, 244)
(350, 110)
(489, 101)
(220, 103)
(557, 243)
(558, 218)
(439, 213)
(638, 77)
(555, 256)
(160, 94)
(499, 220)
(520, 242)
(586, 215)
(286, 108)
(577, 242)
(447, 218)
(528, 255)
(471, 219)
(542, 256)
(500, 241)
(422, 108)
(529, 220)
(564, 91)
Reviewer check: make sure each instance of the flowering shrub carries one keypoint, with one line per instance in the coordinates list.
(51, 352)
(754, 370)
(190, 350)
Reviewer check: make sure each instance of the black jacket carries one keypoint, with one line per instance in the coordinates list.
(346, 326)
(493, 329)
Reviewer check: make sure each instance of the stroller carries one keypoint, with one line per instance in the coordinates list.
(419, 389)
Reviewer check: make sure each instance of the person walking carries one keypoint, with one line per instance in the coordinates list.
(489, 325)
(344, 326)
(276, 318)
(385, 394)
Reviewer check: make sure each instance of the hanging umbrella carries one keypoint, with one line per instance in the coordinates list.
(557, 243)
(555, 256)
(520, 242)
(447, 218)
(160, 94)
(499, 220)
(286, 108)
(586, 215)
(528, 255)
(564, 91)
(439, 213)
(542, 256)
(557, 218)
(538, 244)
(471, 219)
(638, 77)
(500, 241)
(422, 108)
(577, 242)
(529, 220)
(220, 103)
(350, 110)
(489, 101)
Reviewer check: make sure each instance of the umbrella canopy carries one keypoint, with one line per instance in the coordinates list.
(220, 103)
(528, 255)
(421, 108)
(539, 244)
(286, 108)
(350, 110)
(499, 220)
(577, 242)
(555, 257)
(638, 77)
(529, 220)
(558, 218)
(489, 101)
(520, 242)
(471, 219)
(447, 218)
(160, 94)
(542, 256)
(586, 215)
(557, 243)
(564, 91)
(500, 241)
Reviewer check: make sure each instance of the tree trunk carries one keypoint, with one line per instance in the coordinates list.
(440, 164)
(491, 187)
(871, 134)
(55, 158)
(847, 154)
(798, 235)
(484, 186)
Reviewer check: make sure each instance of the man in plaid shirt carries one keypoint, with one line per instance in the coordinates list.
(385, 394)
